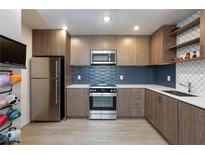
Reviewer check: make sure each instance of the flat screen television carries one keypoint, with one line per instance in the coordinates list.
(12, 53)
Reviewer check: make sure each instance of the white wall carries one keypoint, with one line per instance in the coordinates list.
(10, 23)
(191, 71)
(10, 26)
(26, 38)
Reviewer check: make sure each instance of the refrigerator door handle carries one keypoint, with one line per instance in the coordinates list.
(57, 95)
(57, 69)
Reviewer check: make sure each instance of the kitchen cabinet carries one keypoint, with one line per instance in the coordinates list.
(80, 50)
(130, 102)
(142, 50)
(49, 42)
(103, 42)
(159, 45)
(191, 124)
(202, 33)
(77, 102)
(161, 111)
(126, 51)
(131, 50)
(168, 117)
(149, 106)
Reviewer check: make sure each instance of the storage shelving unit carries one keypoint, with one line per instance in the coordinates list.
(186, 60)
(190, 42)
(185, 28)
(9, 124)
(177, 31)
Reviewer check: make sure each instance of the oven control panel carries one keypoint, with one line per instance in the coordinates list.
(102, 90)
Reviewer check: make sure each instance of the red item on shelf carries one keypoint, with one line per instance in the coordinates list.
(3, 119)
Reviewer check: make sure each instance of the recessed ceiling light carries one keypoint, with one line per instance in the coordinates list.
(136, 28)
(107, 19)
(64, 27)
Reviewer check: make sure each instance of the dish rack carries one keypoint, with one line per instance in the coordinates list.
(9, 125)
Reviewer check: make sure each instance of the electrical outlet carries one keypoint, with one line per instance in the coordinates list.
(168, 78)
(79, 77)
(121, 77)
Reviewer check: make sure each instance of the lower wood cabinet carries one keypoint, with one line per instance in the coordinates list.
(77, 102)
(161, 111)
(191, 124)
(130, 102)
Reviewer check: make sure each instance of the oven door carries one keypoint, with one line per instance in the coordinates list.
(103, 101)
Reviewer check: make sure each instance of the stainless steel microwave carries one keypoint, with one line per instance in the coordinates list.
(103, 57)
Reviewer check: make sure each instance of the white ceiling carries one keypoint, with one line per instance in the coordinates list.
(89, 22)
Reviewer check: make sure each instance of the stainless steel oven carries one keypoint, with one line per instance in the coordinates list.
(102, 102)
(103, 57)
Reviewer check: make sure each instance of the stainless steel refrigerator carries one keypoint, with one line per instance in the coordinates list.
(47, 89)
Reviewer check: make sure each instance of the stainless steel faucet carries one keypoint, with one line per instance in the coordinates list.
(187, 86)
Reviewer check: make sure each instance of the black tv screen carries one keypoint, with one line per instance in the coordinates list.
(12, 53)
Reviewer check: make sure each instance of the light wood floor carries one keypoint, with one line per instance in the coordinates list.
(79, 131)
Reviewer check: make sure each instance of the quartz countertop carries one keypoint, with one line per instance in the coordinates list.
(196, 101)
(78, 86)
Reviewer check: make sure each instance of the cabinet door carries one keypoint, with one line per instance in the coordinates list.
(80, 50)
(49, 42)
(191, 124)
(156, 48)
(142, 50)
(168, 118)
(202, 33)
(40, 43)
(161, 111)
(126, 50)
(149, 106)
(130, 102)
(77, 102)
(57, 42)
(103, 42)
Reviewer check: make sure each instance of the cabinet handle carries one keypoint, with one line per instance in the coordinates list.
(57, 89)
(57, 69)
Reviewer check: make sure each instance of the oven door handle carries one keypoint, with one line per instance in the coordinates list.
(103, 94)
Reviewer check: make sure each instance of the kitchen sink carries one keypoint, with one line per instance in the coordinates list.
(178, 93)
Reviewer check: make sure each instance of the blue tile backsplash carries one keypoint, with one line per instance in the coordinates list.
(161, 73)
(131, 74)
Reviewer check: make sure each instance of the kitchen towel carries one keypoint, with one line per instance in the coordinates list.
(4, 80)
(15, 78)
(3, 103)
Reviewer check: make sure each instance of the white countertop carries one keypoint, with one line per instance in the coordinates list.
(196, 101)
(78, 86)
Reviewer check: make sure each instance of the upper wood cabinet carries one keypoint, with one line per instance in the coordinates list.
(160, 42)
(130, 102)
(126, 50)
(49, 42)
(142, 50)
(191, 124)
(80, 50)
(131, 50)
(202, 33)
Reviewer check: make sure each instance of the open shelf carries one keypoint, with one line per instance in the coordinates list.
(185, 43)
(192, 59)
(184, 28)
